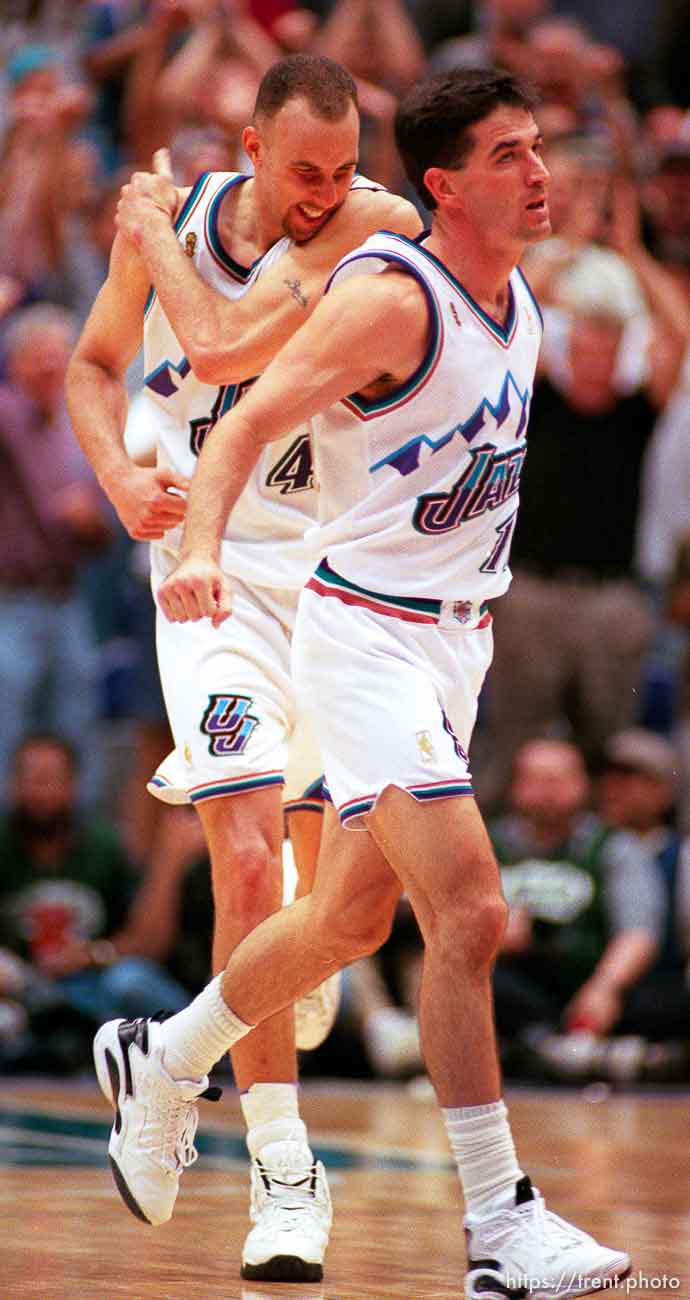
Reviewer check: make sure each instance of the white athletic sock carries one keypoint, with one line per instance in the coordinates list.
(482, 1144)
(196, 1037)
(271, 1113)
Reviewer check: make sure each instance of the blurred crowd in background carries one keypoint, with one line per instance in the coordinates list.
(581, 759)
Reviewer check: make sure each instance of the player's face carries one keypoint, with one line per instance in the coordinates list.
(304, 166)
(503, 182)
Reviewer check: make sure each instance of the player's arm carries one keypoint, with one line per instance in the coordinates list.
(229, 341)
(97, 400)
(354, 337)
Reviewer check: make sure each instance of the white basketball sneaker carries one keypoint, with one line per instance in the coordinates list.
(291, 1213)
(315, 1013)
(152, 1139)
(523, 1250)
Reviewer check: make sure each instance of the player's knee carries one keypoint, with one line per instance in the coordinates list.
(472, 935)
(360, 927)
(250, 887)
(486, 930)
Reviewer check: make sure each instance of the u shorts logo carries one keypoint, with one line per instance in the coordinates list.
(228, 724)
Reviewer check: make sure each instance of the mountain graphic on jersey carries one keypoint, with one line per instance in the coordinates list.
(161, 380)
(486, 415)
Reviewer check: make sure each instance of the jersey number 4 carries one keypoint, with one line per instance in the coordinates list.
(294, 472)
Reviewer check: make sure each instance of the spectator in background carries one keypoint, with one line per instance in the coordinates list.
(593, 412)
(497, 34)
(54, 517)
(637, 792)
(666, 192)
(65, 888)
(586, 910)
(679, 613)
(113, 31)
(37, 158)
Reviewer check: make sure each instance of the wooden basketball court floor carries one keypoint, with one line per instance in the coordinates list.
(617, 1164)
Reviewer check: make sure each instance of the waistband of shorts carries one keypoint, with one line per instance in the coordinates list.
(411, 609)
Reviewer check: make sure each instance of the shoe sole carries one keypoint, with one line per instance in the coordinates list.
(283, 1268)
(502, 1292)
(109, 1074)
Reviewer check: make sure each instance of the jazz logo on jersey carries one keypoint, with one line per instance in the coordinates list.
(190, 244)
(491, 477)
(228, 724)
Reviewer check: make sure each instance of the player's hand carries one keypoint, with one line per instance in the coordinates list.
(145, 503)
(146, 193)
(196, 589)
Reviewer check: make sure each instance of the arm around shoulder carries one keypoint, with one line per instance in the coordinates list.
(242, 337)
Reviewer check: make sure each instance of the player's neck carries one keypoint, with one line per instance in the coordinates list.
(243, 232)
(483, 269)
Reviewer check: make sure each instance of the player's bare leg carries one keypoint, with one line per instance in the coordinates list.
(304, 829)
(442, 854)
(444, 859)
(244, 834)
(316, 1012)
(347, 915)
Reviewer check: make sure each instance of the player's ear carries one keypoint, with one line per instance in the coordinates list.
(251, 141)
(441, 183)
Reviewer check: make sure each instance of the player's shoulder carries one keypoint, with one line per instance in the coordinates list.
(377, 208)
(394, 291)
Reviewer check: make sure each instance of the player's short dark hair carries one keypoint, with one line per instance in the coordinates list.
(327, 87)
(433, 121)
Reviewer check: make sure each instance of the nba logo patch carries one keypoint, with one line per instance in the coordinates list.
(462, 610)
(427, 753)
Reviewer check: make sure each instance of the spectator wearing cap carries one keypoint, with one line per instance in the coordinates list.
(637, 792)
(572, 634)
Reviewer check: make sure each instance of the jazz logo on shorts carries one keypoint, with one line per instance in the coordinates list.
(228, 724)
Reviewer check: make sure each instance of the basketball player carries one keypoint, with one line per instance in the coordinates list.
(416, 369)
(244, 266)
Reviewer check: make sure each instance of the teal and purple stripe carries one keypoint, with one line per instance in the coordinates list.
(430, 790)
(411, 609)
(237, 785)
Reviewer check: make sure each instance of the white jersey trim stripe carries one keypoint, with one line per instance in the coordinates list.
(502, 335)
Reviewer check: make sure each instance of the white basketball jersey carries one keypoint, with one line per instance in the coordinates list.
(264, 541)
(418, 490)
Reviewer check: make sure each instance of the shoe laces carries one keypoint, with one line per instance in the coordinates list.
(172, 1125)
(547, 1235)
(287, 1192)
(174, 1122)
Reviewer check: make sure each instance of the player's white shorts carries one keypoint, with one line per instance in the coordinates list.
(230, 699)
(394, 684)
